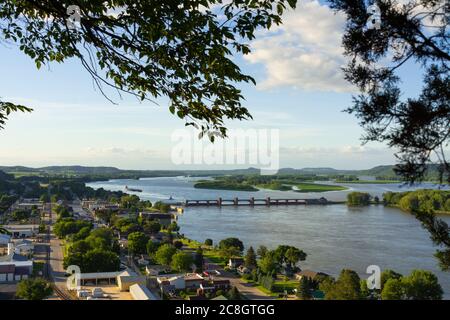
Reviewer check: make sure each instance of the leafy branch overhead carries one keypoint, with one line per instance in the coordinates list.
(414, 33)
(6, 108)
(178, 49)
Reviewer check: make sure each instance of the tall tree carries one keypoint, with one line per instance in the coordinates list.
(347, 287)
(164, 254)
(231, 242)
(304, 289)
(419, 285)
(250, 258)
(261, 251)
(422, 285)
(409, 32)
(137, 242)
(393, 290)
(268, 264)
(182, 261)
(34, 289)
(99, 260)
(179, 49)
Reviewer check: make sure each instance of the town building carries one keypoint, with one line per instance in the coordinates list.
(140, 292)
(235, 262)
(13, 268)
(213, 286)
(123, 279)
(29, 204)
(312, 275)
(173, 282)
(22, 230)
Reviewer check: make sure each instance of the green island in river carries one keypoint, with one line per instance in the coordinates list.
(232, 183)
(223, 185)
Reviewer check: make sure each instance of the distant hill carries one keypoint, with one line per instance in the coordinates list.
(379, 171)
(80, 170)
(113, 172)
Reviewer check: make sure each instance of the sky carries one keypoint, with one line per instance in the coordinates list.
(300, 91)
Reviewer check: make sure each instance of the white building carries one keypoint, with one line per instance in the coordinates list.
(29, 204)
(175, 281)
(14, 267)
(22, 230)
(140, 292)
(180, 281)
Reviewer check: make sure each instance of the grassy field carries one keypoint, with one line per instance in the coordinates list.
(18, 174)
(275, 186)
(316, 187)
(208, 252)
(281, 285)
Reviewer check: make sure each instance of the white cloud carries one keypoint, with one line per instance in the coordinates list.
(304, 52)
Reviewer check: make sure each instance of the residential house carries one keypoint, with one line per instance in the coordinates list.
(243, 270)
(213, 286)
(171, 281)
(308, 274)
(193, 280)
(235, 262)
(155, 270)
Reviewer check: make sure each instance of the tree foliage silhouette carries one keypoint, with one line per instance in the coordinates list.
(410, 32)
(178, 49)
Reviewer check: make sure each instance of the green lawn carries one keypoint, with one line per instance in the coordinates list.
(208, 252)
(275, 186)
(280, 286)
(268, 292)
(316, 187)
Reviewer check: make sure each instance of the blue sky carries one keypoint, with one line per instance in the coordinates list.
(300, 91)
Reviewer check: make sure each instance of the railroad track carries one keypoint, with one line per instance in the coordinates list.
(62, 294)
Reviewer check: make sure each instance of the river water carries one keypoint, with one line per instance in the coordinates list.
(333, 236)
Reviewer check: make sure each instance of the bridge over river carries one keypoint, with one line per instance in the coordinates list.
(257, 202)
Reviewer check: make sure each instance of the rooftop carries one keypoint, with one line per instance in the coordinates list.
(140, 292)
